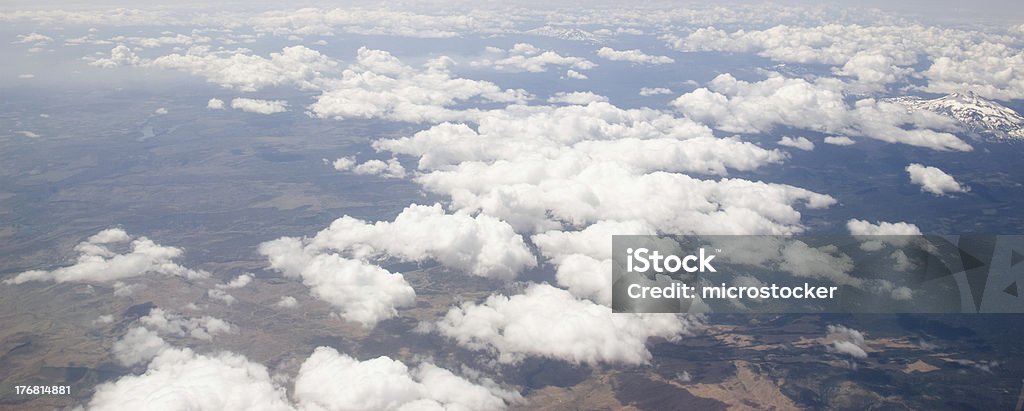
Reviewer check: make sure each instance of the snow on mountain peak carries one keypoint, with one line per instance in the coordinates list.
(976, 113)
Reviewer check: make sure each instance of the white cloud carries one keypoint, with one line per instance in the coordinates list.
(259, 106)
(137, 346)
(181, 379)
(97, 262)
(120, 55)
(329, 380)
(864, 227)
(215, 104)
(238, 282)
(28, 134)
(480, 245)
(541, 167)
(166, 39)
(364, 292)
(839, 141)
(344, 163)
(898, 293)
(801, 143)
(934, 180)
(802, 260)
(104, 319)
(583, 259)
(160, 111)
(334, 262)
(221, 295)
(378, 85)
(105, 16)
(379, 21)
(981, 68)
(847, 341)
(527, 57)
(876, 55)
(759, 107)
(573, 74)
(197, 327)
(287, 302)
(791, 256)
(581, 333)
(388, 169)
(654, 91)
(33, 37)
(576, 97)
(201, 328)
(297, 65)
(122, 289)
(635, 56)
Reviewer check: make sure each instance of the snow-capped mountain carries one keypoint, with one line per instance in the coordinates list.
(563, 33)
(976, 113)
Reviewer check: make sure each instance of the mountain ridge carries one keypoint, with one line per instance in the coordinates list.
(977, 114)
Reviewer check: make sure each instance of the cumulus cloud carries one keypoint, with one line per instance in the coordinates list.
(577, 97)
(296, 65)
(541, 167)
(386, 384)
(839, 141)
(344, 163)
(287, 302)
(635, 56)
(583, 259)
(388, 169)
(238, 282)
(801, 143)
(480, 245)
(201, 328)
(137, 346)
(259, 106)
(573, 74)
(981, 68)
(378, 85)
(514, 327)
(378, 21)
(934, 180)
(221, 295)
(179, 378)
(867, 228)
(120, 55)
(122, 289)
(364, 292)
(34, 38)
(215, 104)
(527, 57)
(166, 39)
(791, 256)
(335, 263)
(654, 91)
(846, 341)
(886, 287)
(759, 107)
(98, 261)
(877, 55)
